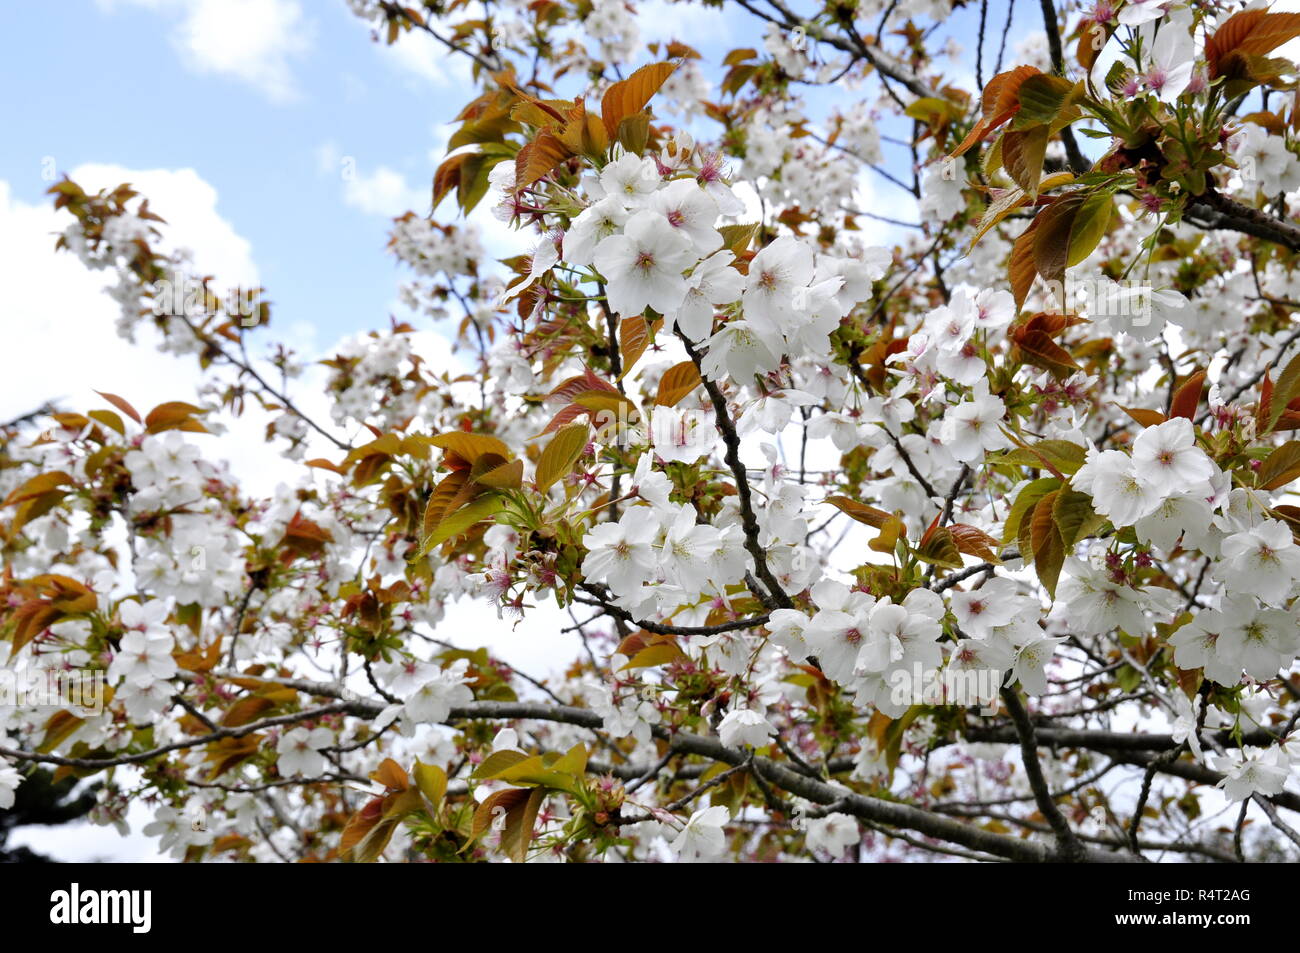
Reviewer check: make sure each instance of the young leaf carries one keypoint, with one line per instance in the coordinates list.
(859, 511)
(1188, 397)
(1021, 267)
(454, 524)
(998, 104)
(1052, 239)
(538, 158)
(678, 381)
(1281, 466)
(559, 456)
(630, 95)
(975, 542)
(1042, 98)
(432, 782)
(121, 405)
(1048, 546)
(1089, 225)
(1022, 156)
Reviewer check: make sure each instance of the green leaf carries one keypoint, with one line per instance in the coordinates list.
(736, 238)
(1052, 241)
(1048, 546)
(454, 524)
(1074, 515)
(1029, 495)
(1284, 391)
(662, 653)
(1011, 200)
(1281, 466)
(1042, 98)
(432, 782)
(574, 761)
(1022, 156)
(1065, 456)
(1089, 225)
(498, 762)
(559, 456)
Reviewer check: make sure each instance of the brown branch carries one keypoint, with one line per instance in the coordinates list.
(1052, 26)
(1214, 210)
(1068, 847)
(775, 596)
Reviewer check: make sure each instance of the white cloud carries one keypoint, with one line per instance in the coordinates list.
(422, 58)
(254, 41)
(689, 23)
(189, 204)
(382, 191)
(66, 347)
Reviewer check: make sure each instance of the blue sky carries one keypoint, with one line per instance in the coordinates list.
(113, 85)
(266, 113)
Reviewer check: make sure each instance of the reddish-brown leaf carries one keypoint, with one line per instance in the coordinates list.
(629, 96)
(1188, 397)
(678, 381)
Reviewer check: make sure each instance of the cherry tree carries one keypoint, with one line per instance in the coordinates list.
(959, 536)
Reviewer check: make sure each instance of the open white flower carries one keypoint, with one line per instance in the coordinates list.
(596, 223)
(777, 286)
(9, 781)
(973, 428)
(703, 838)
(1118, 493)
(631, 179)
(1184, 516)
(994, 309)
(711, 283)
(740, 350)
(838, 633)
(433, 701)
(644, 265)
(692, 211)
(1167, 457)
(1263, 560)
(834, 833)
(981, 610)
(1030, 666)
(621, 554)
(1138, 12)
(687, 549)
(1252, 771)
(786, 628)
(1167, 68)
(1256, 639)
(298, 751)
(744, 726)
(1196, 645)
(144, 657)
